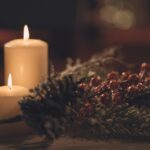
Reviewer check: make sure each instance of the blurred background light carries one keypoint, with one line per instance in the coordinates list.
(123, 19)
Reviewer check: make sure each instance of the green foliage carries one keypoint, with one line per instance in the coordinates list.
(44, 109)
(68, 104)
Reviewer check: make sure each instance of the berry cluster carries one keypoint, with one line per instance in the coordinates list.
(117, 88)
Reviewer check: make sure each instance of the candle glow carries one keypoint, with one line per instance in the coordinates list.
(10, 81)
(9, 98)
(26, 33)
(27, 60)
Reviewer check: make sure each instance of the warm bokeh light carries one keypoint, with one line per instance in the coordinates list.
(123, 19)
(26, 33)
(119, 18)
(107, 13)
(10, 82)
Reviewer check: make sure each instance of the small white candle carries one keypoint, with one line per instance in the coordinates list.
(27, 60)
(9, 97)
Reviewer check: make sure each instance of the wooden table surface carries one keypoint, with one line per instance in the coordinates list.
(33, 142)
(18, 136)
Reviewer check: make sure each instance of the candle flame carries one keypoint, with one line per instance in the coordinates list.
(10, 82)
(26, 33)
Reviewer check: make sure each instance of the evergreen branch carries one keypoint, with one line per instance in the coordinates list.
(84, 104)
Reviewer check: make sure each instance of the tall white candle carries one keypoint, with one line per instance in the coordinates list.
(27, 60)
(9, 97)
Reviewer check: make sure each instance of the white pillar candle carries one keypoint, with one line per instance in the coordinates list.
(9, 97)
(27, 60)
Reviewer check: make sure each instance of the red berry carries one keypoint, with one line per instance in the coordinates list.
(124, 75)
(82, 85)
(114, 84)
(95, 81)
(116, 97)
(133, 78)
(147, 81)
(124, 84)
(104, 86)
(97, 89)
(132, 90)
(105, 98)
(113, 76)
(140, 87)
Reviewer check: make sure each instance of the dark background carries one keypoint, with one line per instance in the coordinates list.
(75, 28)
(56, 18)
(47, 14)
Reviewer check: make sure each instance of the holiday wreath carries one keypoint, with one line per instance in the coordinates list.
(88, 101)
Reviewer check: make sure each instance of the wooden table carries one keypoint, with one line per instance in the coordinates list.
(64, 143)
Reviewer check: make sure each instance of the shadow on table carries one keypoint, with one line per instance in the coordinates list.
(27, 142)
(33, 142)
